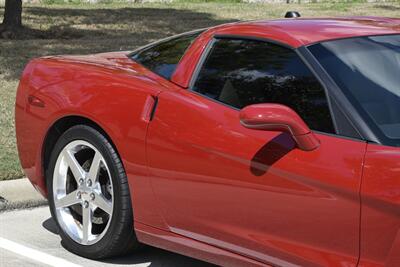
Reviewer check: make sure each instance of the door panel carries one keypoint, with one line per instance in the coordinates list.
(253, 192)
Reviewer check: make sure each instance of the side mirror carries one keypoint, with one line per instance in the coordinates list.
(275, 117)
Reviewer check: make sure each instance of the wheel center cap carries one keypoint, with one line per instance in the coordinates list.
(85, 196)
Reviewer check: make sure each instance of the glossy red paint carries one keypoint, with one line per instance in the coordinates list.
(380, 225)
(89, 87)
(192, 248)
(279, 118)
(204, 185)
(253, 192)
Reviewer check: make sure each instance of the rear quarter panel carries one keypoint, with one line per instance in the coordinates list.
(110, 96)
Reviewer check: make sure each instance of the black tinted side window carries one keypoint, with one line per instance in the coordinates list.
(163, 58)
(245, 72)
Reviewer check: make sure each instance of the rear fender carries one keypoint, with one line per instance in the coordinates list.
(112, 99)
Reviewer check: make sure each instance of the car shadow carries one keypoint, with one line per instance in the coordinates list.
(51, 226)
(156, 257)
(270, 153)
(145, 256)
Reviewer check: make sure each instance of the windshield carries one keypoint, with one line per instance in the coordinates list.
(367, 69)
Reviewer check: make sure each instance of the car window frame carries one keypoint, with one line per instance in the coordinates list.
(207, 52)
(162, 41)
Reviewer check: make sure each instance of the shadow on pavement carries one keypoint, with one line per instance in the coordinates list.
(156, 257)
(147, 255)
(50, 225)
(87, 31)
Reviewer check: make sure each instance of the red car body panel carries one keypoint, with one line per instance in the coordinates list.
(380, 243)
(205, 186)
(95, 82)
(223, 184)
(190, 247)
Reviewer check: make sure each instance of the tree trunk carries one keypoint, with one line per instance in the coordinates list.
(12, 14)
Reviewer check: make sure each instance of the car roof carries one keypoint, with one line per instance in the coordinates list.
(305, 31)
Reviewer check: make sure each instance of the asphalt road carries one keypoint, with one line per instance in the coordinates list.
(29, 238)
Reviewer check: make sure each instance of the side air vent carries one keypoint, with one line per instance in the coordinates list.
(292, 14)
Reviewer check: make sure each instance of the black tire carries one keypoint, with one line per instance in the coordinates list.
(120, 236)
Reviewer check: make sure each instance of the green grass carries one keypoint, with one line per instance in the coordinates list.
(77, 28)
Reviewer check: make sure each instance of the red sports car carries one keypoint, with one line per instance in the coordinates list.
(246, 144)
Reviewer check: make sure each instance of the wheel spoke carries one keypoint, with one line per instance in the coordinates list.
(68, 200)
(74, 165)
(91, 197)
(86, 224)
(94, 167)
(101, 202)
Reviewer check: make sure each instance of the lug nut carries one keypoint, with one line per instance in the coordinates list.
(79, 195)
(92, 196)
(89, 182)
(85, 204)
(81, 181)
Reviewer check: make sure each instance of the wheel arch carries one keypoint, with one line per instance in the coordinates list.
(59, 127)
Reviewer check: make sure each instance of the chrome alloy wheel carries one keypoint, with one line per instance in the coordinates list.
(83, 192)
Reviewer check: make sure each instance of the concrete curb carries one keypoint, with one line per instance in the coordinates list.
(19, 194)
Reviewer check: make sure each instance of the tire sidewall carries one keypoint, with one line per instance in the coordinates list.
(95, 138)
